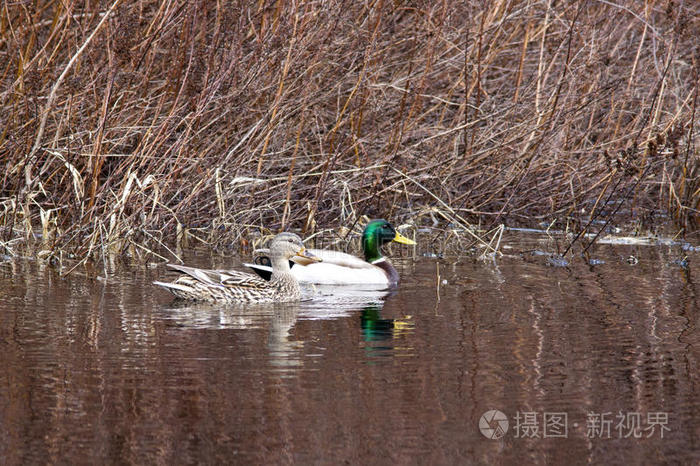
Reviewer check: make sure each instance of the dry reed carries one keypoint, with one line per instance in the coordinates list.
(126, 125)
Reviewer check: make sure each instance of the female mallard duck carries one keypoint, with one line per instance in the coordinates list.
(339, 268)
(230, 286)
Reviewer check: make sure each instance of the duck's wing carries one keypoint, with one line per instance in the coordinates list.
(264, 271)
(227, 278)
(335, 262)
(237, 279)
(340, 259)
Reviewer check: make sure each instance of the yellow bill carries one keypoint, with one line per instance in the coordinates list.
(399, 238)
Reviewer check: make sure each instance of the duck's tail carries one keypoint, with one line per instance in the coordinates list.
(174, 286)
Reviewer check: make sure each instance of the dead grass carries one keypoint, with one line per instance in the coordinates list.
(126, 125)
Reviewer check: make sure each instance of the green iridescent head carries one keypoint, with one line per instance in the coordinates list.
(377, 233)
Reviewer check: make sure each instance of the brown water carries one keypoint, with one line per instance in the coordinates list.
(115, 372)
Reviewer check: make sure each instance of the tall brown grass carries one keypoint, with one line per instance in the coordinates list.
(128, 123)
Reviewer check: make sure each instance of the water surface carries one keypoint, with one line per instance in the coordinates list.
(113, 371)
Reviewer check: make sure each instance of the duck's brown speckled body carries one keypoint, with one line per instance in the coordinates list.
(231, 286)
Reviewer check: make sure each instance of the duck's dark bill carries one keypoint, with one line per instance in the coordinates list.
(305, 257)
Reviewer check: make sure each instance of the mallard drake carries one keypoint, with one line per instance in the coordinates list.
(339, 268)
(230, 286)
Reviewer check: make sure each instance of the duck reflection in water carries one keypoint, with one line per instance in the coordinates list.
(385, 337)
(285, 352)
